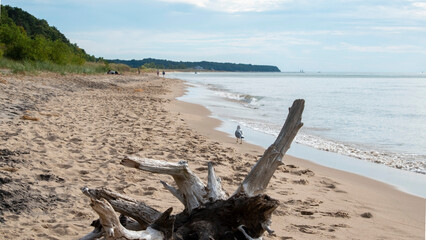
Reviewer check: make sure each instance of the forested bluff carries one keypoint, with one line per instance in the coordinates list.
(203, 65)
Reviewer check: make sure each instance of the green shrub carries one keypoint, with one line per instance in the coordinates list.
(17, 44)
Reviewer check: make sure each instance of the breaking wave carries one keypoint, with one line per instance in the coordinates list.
(410, 162)
(246, 99)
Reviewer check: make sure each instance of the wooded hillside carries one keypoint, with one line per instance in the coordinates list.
(25, 37)
(204, 65)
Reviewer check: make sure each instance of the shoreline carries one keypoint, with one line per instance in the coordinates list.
(199, 118)
(380, 195)
(233, 100)
(84, 125)
(404, 180)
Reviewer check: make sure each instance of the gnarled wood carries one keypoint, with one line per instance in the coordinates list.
(144, 214)
(248, 237)
(208, 214)
(113, 228)
(220, 219)
(189, 185)
(174, 191)
(260, 175)
(214, 187)
(97, 233)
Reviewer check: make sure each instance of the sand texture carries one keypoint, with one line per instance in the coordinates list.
(61, 133)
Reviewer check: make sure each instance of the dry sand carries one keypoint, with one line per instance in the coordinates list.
(60, 133)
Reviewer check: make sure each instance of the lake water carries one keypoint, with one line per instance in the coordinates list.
(379, 118)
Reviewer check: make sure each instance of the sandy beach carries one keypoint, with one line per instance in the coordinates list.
(61, 133)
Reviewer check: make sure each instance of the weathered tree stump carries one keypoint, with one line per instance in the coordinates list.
(209, 213)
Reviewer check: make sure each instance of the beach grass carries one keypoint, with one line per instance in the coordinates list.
(33, 67)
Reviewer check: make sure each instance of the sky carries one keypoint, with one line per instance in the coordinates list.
(309, 35)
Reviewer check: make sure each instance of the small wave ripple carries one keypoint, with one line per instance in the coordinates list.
(233, 96)
(245, 98)
(409, 162)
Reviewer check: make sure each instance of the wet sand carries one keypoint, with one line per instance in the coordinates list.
(60, 133)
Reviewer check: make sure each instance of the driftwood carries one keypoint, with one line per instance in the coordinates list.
(209, 213)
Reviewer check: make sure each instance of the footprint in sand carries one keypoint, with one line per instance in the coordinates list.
(65, 166)
(305, 172)
(284, 192)
(367, 215)
(338, 214)
(75, 150)
(307, 229)
(201, 169)
(279, 213)
(330, 185)
(52, 137)
(307, 212)
(301, 182)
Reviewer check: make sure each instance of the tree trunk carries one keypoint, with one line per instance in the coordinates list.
(258, 178)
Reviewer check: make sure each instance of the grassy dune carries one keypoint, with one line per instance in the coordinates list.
(32, 67)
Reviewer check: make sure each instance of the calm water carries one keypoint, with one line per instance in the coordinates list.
(375, 117)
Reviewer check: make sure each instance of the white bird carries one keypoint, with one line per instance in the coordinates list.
(239, 134)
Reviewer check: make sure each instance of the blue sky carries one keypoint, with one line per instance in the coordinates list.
(313, 35)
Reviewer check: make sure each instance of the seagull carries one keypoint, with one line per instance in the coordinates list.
(239, 134)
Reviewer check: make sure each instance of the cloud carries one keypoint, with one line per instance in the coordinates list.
(198, 3)
(398, 29)
(130, 43)
(394, 49)
(234, 6)
(419, 8)
(392, 10)
(421, 5)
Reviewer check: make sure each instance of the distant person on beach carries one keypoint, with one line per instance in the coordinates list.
(139, 71)
(164, 73)
(239, 134)
(158, 73)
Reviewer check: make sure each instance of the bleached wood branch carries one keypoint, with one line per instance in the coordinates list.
(97, 233)
(260, 175)
(174, 191)
(125, 205)
(266, 225)
(214, 186)
(241, 228)
(113, 228)
(189, 184)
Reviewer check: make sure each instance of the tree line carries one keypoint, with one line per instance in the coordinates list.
(204, 65)
(24, 37)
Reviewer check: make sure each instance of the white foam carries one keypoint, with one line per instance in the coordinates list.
(246, 99)
(409, 162)
(336, 106)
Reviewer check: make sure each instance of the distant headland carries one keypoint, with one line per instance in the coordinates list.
(203, 65)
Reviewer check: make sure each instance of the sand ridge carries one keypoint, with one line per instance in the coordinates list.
(82, 126)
